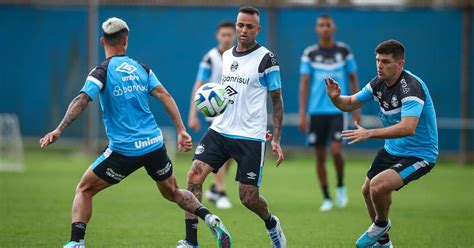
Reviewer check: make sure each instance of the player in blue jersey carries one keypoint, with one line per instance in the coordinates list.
(135, 140)
(328, 58)
(210, 71)
(410, 133)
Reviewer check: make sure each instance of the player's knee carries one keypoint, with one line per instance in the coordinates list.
(377, 187)
(85, 190)
(195, 176)
(249, 202)
(366, 190)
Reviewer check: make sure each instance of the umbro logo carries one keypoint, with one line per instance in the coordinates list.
(234, 66)
(230, 91)
(251, 175)
(126, 67)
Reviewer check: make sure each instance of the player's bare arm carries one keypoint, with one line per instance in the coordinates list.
(77, 105)
(193, 120)
(303, 99)
(184, 140)
(344, 103)
(277, 102)
(406, 127)
(354, 85)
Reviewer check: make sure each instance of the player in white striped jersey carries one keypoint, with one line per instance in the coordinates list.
(249, 73)
(210, 71)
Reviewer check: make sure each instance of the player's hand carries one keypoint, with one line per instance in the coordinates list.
(194, 123)
(50, 138)
(276, 150)
(357, 135)
(303, 126)
(268, 136)
(332, 88)
(184, 142)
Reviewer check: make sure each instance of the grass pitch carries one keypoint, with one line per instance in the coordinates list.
(435, 211)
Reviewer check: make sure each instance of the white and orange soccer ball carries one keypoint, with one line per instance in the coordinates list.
(211, 99)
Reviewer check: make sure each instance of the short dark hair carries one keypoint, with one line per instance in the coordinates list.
(249, 10)
(226, 24)
(325, 16)
(115, 38)
(393, 47)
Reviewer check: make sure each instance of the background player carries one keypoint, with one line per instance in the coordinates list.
(410, 133)
(210, 70)
(123, 86)
(250, 72)
(326, 59)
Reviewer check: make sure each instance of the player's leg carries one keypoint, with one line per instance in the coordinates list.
(110, 168)
(335, 128)
(368, 199)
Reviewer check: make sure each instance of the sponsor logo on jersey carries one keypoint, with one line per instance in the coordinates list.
(273, 59)
(394, 101)
(126, 67)
(165, 170)
(385, 104)
(230, 91)
(234, 66)
(200, 149)
(404, 84)
(251, 175)
(235, 79)
(120, 90)
(148, 142)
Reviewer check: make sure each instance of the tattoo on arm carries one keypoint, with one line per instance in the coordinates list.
(277, 102)
(75, 108)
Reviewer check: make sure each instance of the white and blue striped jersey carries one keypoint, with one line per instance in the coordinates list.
(408, 97)
(123, 86)
(319, 63)
(247, 77)
(210, 68)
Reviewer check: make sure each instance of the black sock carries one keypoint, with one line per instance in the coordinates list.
(340, 181)
(381, 223)
(213, 189)
(191, 231)
(270, 222)
(325, 192)
(201, 212)
(78, 230)
(384, 239)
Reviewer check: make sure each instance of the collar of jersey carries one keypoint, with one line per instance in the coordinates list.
(240, 54)
(117, 55)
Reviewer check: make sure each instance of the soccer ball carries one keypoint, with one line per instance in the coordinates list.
(211, 99)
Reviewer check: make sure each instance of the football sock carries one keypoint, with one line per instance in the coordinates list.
(325, 192)
(202, 212)
(381, 223)
(340, 181)
(270, 222)
(191, 231)
(78, 230)
(213, 189)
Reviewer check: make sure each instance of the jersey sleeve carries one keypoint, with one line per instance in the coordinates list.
(305, 64)
(413, 99)
(153, 81)
(205, 69)
(366, 94)
(95, 81)
(269, 72)
(351, 65)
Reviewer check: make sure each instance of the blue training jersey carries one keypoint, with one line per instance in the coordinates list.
(409, 96)
(319, 63)
(123, 86)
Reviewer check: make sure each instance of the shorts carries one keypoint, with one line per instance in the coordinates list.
(113, 167)
(215, 149)
(409, 168)
(325, 127)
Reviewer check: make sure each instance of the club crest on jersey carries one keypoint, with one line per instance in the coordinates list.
(126, 67)
(394, 101)
(234, 66)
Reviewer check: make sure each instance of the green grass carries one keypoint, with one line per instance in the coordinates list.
(435, 211)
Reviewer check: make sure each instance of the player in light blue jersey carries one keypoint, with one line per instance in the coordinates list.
(135, 140)
(328, 58)
(410, 133)
(210, 71)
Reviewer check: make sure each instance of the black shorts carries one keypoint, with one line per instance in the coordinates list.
(113, 167)
(409, 168)
(325, 127)
(215, 149)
